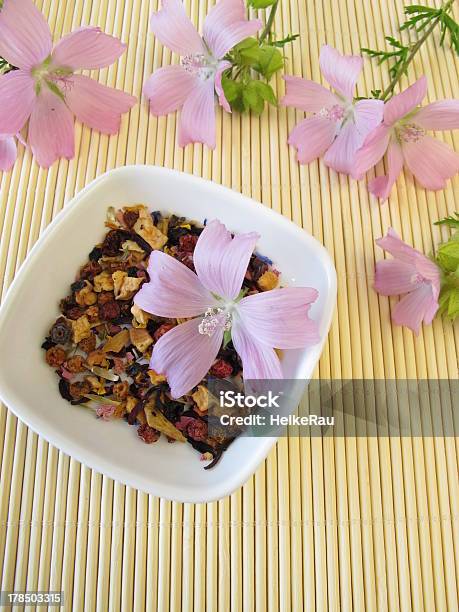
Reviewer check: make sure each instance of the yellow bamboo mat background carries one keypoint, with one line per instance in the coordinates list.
(350, 524)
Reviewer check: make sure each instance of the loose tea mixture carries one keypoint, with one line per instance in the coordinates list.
(101, 344)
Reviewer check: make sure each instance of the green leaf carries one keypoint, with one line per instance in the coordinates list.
(226, 338)
(261, 4)
(233, 93)
(453, 304)
(448, 255)
(255, 94)
(284, 41)
(247, 52)
(451, 221)
(269, 62)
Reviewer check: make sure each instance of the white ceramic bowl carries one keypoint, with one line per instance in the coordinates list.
(29, 387)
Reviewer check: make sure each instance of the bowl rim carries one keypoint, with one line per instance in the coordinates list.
(100, 464)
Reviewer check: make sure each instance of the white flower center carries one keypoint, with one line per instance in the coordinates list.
(334, 113)
(411, 132)
(201, 65)
(215, 319)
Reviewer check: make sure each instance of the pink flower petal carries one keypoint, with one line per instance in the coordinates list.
(393, 277)
(225, 39)
(405, 253)
(312, 137)
(51, 129)
(341, 71)
(279, 318)
(96, 105)
(441, 115)
(222, 66)
(341, 155)
(168, 88)
(403, 103)
(25, 37)
(381, 186)
(368, 115)
(174, 291)
(431, 161)
(259, 361)
(223, 15)
(87, 48)
(307, 95)
(415, 307)
(174, 29)
(8, 153)
(17, 95)
(221, 261)
(185, 356)
(197, 120)
(372, 151)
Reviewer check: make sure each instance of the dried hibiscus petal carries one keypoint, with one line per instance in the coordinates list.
(148, 434)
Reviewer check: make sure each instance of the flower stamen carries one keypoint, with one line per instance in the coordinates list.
(214, 319)
(411, 132)
(199, 64)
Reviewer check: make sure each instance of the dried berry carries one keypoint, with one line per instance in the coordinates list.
(106, 296)
(109, 311)
(88, 344)
(121, 390)
(95, 254)
(61, 331)
(188, 243)
(74, 313)
(221, 369)
(130, 218)
(197, 430)
(112, 243)
(55, 356)
(148, 434)
(75, 364)
(163, 329)
(93, 314)
(78, 389)
(90, 270)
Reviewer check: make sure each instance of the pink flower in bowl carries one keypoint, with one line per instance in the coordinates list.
(211, 300)
(402, 135)
(338, 125)
(191, 86)
(45, 89)
(412, 273)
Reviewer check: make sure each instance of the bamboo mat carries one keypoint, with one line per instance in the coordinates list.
(350, 524)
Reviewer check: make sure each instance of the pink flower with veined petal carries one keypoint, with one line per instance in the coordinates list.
(46, 89)
(210, 298)
(8, 152)
(192, 85)
(403, 137)
(410, 272)
(338, 126)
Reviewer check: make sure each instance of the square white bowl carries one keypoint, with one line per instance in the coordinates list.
(29, 387)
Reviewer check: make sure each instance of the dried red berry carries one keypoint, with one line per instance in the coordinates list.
(75, 313)
(87, 345)
(197, 430)
(78, 389)
(55, 356)
(109, 311)
(188, 243)
(105, 296)
(75, 364)
(112, 243)
(90, 270)
(163, 329)
(221, 369)
(61, 331)
(148, 434)
(130, 218)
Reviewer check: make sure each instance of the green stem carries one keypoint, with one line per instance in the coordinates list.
(269, 23)
(390, 88)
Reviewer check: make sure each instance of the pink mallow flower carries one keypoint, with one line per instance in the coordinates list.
(402, 135)
(46, 89)
(191, 86)
(8, 152)
(338, 126)
(409, 272)
(211, 299)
